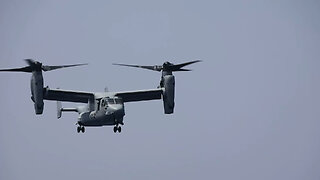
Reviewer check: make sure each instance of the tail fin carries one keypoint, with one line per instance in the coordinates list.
(59, 109)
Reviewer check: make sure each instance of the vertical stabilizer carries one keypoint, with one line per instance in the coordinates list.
(59, 109)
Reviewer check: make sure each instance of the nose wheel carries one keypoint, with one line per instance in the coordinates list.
(81, 129)
(117, 128)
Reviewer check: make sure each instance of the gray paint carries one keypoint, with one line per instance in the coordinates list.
(249, 111)
(100, 111)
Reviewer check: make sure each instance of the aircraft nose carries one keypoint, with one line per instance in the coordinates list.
(119, 112)
(115, 110)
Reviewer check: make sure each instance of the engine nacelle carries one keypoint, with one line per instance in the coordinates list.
(168, 94)
(37, 91)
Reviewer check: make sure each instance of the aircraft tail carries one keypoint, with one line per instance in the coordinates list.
(60, 109)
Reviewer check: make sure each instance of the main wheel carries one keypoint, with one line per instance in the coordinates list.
(83, 129)
(115, 129)
(119, 129)
(78, 129)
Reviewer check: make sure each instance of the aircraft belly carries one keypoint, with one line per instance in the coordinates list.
(102, 120)
(105, 117)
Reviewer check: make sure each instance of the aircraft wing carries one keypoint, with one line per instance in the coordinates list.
(67, 95)
(140, 95)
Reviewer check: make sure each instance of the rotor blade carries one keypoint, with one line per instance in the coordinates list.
(23, 69)
(183, 70)
(154, 68)
(30, 61)
(50, 68)
(176, 67)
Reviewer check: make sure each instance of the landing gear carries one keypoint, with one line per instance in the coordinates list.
(117, 128)
(81, 129)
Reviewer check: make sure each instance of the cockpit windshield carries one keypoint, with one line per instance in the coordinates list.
(110, 101)
(118, 101)
(114, 101)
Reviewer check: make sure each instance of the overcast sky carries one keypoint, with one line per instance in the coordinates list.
(249, 111)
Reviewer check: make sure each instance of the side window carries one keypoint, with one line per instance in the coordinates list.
(103, 103)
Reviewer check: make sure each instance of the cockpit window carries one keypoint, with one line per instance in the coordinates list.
(118, 101)
(114, 101)
(110, 101)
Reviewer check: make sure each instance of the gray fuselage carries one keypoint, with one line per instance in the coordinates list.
(108, 112)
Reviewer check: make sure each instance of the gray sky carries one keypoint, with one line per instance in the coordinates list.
(249, 111)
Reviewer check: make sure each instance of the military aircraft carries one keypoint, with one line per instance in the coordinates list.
(102, 108)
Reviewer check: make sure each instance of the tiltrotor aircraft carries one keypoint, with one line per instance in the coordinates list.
(102, 108)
